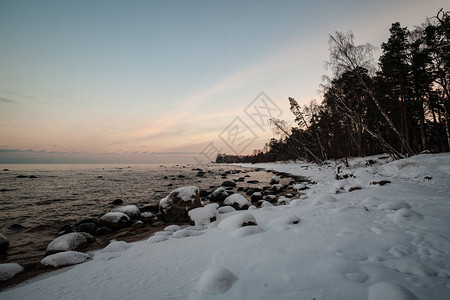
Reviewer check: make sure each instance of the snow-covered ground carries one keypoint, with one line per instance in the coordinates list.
(388, 241)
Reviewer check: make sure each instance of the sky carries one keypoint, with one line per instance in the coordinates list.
(167, 81)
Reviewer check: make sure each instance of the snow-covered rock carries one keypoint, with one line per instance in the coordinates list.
(115, 220)
(276, 188)
(117, 246)
(172, 228)
(393, 205)
(68, 242)
(9, 270)
(204, 215)
(407, 214)
(323, 200)
(216, 280)
(130, 210)
(237, 221)
(157, 239)
(218, 195)
(283, 201)
(176, 205)
(237, 201)
(226, 209)
(65, 259)
(183, 233)
(275, 180)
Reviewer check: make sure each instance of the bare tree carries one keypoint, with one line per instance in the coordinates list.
(346, 56)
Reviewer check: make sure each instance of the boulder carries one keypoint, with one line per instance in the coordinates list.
(229, 183)
(87, 227)
(9, 270)
(103, 230)
(219, 195)
(130, 210)
(203, 216)
(256, 196)
(4, 243)
(176, 205)
(73, 241)
(117, 202)
(275, 180)
(115, 220)
(237, 221)
(65, 259)
(148, 217)
(237, 201)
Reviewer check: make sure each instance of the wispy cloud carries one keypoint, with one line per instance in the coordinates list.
(5, 100)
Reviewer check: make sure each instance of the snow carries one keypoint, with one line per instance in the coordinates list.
(67, 242)
(130, 210)
(236, 221)
(114, 217)
(117, 246)
(9, 270)
(186, 194)
(203, 215)
(236, 198)
(216, 281)
(379, 242)
(226, 209)
(65, 259)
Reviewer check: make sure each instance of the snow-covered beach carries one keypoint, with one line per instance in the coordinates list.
(381, 232)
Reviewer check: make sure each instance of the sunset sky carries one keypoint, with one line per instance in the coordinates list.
(164, 81)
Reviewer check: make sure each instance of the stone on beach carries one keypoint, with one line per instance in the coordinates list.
(9, 270)
(237, 201)
(219, 195)
(115, 220)
(69, 242)
(176, 205)
(66, 258)
(130, 210)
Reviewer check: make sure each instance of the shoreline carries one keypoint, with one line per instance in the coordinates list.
(33, 268)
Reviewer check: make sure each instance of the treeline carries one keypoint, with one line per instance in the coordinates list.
(400, 105)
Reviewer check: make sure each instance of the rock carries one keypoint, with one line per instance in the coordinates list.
(229, 183)
(89, 237)
(138, 224)
(115, 220)
(130, 210)
(219, 195)
(381, 182)
(203, 216)
(5, 170)
(283, 201)
(4, 243)
(237, 221)
(237, 201)
(216, 280)
(271, 198)
(276, 188)
(22, 176)
(275, 180)
(67, 258)
(353, 188)
(87, 227)
(252, 181)
(69, 242)
(16, 227)
(204, 193)
(33, 176)
(148, 217)
(153, 208)
(65, 229)
(176, 205)
(103, 231)
(89, 220)
(256, 196)
(117, 202)
(9, 270)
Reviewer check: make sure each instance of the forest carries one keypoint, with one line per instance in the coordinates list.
(398, 105)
